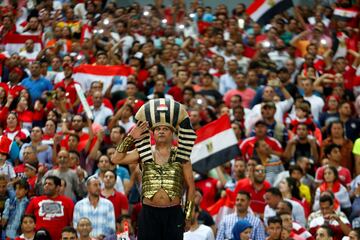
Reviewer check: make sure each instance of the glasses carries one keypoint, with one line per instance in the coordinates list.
(260, 171)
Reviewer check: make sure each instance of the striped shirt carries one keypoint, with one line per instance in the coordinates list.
(102, 216)
(227, 224)
(273, 167)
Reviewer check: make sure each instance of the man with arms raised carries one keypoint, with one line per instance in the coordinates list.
(165, 168)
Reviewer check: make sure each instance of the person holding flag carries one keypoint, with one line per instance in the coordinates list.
(166, 169)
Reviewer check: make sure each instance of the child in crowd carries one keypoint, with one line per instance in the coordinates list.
(15, 208)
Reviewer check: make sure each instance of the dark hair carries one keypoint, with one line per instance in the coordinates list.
(69, 229)
(328, 130)
(326, 198)
(32, 216)
(122, 217)
(334, 170)
(42, 234)
(188, 88)
(55, 179)
(22, 184)
(274, 220)
(75, 152)
(274, 191)
(288, 204)
(328, 230)
(328, 149)
(121, 129)
(295, 192)
(293, 168)
(112, 171)
(247, 194)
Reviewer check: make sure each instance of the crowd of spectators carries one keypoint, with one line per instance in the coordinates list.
(291, 89)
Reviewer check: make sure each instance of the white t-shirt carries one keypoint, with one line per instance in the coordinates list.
(30, 56)
(203, 232)
(317, 104)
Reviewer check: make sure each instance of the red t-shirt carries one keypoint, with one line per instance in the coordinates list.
(344, 175)
(257, 202)
(208, 186)
(15, 90)
(83, 141)
(136, 106)
(248, 145)
(177, 93)
(70, 90)
(119, 201)
(52, 214)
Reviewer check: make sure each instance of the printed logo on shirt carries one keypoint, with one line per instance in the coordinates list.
(50, 209)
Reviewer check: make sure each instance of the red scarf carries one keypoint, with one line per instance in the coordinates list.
(335, 188)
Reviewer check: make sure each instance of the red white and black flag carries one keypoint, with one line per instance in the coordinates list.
(216, 144)
(345, 14)
(262, 11)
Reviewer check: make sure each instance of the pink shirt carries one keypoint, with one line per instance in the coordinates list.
(247, 96)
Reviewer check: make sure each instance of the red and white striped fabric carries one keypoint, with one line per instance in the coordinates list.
(261, 11)
(86, 74)
(14, 43)
(345, 13)
(222, 207)
(86, 32)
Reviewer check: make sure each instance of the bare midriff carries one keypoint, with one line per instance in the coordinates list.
(161, 199)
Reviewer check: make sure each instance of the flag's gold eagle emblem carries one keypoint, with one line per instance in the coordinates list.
(210, 147)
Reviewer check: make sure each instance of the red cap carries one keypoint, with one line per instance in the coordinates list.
(5, 143)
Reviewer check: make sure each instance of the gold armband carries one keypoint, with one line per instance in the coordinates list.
(126, 144)
(189, 206)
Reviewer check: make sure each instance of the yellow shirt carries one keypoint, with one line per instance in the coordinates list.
(356, 148)
(305, 192)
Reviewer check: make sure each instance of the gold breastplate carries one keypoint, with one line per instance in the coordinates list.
(169, 177)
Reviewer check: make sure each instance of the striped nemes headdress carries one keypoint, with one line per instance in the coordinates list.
(160, 112)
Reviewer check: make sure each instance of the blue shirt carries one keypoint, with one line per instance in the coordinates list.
(44, 157)
(14, 210)
(36, 87)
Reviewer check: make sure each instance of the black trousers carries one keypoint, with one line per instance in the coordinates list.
(161, 223)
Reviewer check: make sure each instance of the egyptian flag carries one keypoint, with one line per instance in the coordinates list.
(14, 43)
(216, 144)
(262, 11)
(222, 207)
(345, 14)
(339, 47)
(85, 74)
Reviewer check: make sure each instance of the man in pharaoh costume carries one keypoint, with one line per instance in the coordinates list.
(166, 169)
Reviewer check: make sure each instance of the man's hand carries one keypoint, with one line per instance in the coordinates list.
(80, 173)
(138, 130)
